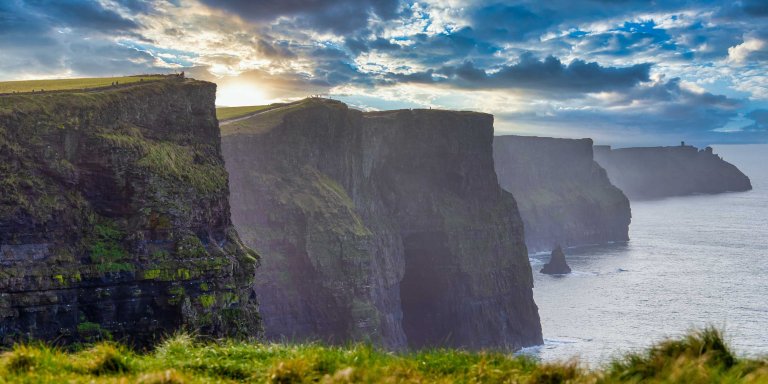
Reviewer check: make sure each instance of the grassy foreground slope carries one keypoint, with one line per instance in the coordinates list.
(701, 357)
(71, 84)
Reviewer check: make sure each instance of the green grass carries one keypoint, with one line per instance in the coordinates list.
(268, 120)
(172, 160)
(227, 113)
(68, 84)
(701, 357)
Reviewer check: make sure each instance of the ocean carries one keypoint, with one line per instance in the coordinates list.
(691, 262)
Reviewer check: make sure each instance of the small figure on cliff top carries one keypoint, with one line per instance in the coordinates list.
(557, 264)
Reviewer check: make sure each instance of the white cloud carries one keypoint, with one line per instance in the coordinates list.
(740, 53)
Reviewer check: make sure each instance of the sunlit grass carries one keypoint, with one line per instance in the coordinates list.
(701, 357)
(70, 84)
(226, 113)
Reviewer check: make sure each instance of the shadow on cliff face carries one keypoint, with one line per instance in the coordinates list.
(399, 222)
(428, 290)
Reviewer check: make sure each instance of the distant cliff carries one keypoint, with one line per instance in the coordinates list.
(114, 217)
(564, 196)
(387, 227)
(657, 172)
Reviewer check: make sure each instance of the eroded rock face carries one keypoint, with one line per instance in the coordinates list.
(658, 172)
(387, 227)
(564, 196)
(557, 264)
(114, 217)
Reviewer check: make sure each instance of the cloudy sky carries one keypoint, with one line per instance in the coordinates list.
(624, 72)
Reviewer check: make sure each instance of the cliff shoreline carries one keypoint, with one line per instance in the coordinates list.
(647, 173)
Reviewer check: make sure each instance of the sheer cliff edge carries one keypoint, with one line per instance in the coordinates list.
(564, 196)
(114, 217)
(388, 227)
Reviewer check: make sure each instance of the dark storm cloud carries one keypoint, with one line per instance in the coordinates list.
(51, 36)
(85, 14)
(325, 15)
(760, 117)
(548, 75)
(358, 45)
(657, 112)
(279, 50)
(739, 10)
(511, 22)
(333, 67)
(113, 59)
(757, 8)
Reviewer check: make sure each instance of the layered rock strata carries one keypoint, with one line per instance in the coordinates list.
(114, 217)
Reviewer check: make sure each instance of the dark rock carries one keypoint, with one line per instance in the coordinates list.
(388, 227)
(557, 264)
(564, 196)
(658, 172)
(114, 217)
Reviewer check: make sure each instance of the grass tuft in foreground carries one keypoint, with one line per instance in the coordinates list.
(701, 357)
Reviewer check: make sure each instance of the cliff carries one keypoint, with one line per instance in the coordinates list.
(657, 172)
(564, 196)
(388, 227)
(114, 217)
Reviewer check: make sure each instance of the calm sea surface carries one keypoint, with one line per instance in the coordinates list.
(691, 262)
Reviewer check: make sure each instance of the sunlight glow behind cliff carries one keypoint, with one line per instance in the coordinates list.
(238, 95)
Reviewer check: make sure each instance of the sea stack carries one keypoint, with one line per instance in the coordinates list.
(557, 264)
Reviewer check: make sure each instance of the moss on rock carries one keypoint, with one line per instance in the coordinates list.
(110, 202)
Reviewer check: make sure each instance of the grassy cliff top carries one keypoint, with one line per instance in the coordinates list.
(701, 357)
(72, 84)
(69, 93)
(260, 119)
(228, 113)
(256, 120)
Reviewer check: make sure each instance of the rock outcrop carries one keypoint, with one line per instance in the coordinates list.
(557, 264)
(658, 172)
(564, 196)
(114, 217)
(388, 227)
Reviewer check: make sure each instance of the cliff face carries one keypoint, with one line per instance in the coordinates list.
(657, 172)
(564, 196)
(386, 227)
(114, 217)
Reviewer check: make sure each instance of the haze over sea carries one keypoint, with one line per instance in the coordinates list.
(691, 262)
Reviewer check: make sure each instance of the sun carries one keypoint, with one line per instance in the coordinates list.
(238, 95)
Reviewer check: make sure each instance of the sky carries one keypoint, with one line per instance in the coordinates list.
(623, 72)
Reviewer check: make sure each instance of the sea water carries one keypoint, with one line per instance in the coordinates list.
(691, 262)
